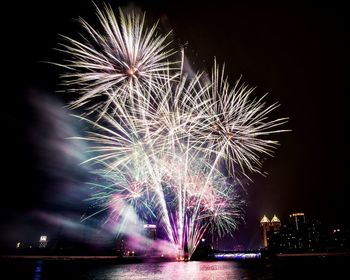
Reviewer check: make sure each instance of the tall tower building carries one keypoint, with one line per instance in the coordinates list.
(299, 230)
(150, 231)
(270, 231)
(43, 241)
(298, 219)
(275, 224)
(274, 234)
(265, 227)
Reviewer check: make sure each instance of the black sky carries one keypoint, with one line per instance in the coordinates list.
(296, 52)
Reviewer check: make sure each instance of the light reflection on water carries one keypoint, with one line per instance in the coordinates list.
(38, 270)
(284, 268)
(176, 270)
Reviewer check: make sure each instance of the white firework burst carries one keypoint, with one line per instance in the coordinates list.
(117, 62)
(234, 126)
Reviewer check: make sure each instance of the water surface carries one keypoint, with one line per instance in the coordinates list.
(294, 268)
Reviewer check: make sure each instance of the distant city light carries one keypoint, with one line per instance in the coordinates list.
(150, 226)
(237, 256)
(43, 238)
(296, 214)
(18, 245)
(203, 239)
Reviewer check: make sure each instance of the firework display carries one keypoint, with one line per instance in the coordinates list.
(169, 144)
(116, 63)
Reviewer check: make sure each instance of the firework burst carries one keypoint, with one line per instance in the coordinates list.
(162, 140)
(117, 62)
(233, 126)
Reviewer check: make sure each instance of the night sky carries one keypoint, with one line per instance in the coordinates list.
(295, 52)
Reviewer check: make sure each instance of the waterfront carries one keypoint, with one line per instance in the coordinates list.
(282, 268)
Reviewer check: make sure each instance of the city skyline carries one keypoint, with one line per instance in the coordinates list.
(276, 236)
(306, 172)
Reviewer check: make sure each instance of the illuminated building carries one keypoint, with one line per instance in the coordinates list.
(298, 230)
(121, 245)
(265, 227)
(294, 235)
(43, 241)
(298, 234)
(269, 229)
(150, 231)
(275, 223)
(298, 219)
